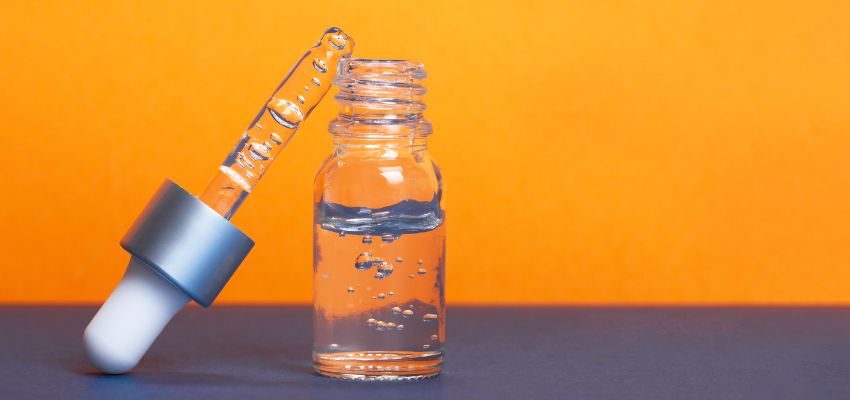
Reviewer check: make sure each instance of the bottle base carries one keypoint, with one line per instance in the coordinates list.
(379, 365)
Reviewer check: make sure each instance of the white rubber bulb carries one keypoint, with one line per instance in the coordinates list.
(131, 319)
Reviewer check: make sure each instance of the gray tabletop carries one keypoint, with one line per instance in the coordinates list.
(492, 353)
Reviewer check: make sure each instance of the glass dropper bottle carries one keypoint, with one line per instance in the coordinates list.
(183, 247)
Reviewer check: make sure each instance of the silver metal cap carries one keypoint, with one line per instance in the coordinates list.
(187, 242)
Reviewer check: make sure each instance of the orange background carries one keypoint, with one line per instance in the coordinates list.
(595, 152)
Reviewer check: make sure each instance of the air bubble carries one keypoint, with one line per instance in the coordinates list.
(419, 261)
(300, 99)
(400, 327)
(429, 317)
(320, 65)
(407, 313)
(249, 174)
(389, 238)
(421, 271)
(350, 289)
(243, 161)
(381, 296)
(391, 325)
(276, 139)
(316, 82)
(333, 346)
(259, 151)
(337, 41)
(385, 268)
(285, 113)
(426, 346)
(399, 260)
(367, 239)
(342, 234)
(396, 310)
(371, 321)
(410, 276)
(391, 293)
(379, 276)
(435, 337)
(365, 261)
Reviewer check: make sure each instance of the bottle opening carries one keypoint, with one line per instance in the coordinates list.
(363, 70)
(376, 92)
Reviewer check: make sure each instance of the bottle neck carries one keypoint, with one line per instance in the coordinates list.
(383, 146)
(381, 105)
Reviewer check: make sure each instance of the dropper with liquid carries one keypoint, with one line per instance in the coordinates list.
(181, 250)
(276, 123)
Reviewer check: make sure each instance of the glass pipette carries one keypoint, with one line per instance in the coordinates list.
(276, 123)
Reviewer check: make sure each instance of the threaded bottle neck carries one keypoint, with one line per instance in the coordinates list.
(380, 99)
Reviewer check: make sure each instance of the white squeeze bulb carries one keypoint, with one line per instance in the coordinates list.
(131, 318)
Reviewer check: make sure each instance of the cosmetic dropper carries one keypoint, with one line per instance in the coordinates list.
(183, 248)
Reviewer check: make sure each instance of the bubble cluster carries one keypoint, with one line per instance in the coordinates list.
(385, 268)
(243, 161)
(384, 325)
(259, 151)
(366, 261)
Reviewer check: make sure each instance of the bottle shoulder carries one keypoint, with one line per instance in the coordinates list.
(372, 181)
